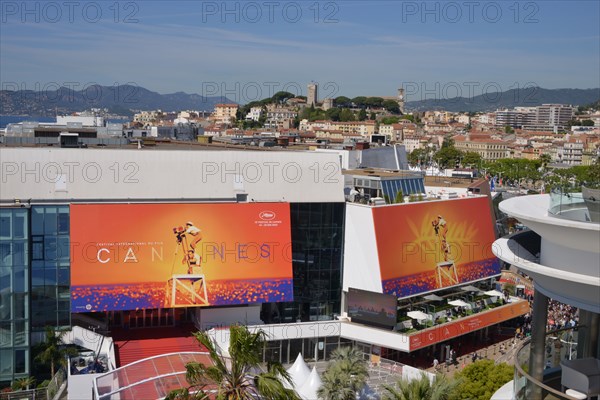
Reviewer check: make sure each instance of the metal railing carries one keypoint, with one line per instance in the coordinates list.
(55, 384)
(31, 394)
(560, 344)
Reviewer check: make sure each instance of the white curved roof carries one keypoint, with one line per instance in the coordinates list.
(299, 371)
(567, 268)
(559, 283)
(532, 211)
(308, 390)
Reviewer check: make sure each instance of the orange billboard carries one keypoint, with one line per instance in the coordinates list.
(431, 245)
(135, 256)
(469, 324)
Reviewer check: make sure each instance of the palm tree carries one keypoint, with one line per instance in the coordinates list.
(23, 383)
(54, 351)
(421, 389)
(545, 159)
(346, 374)
(237, 377)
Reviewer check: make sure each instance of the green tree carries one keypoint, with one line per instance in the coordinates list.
(281, 97)
(235, 378)
(592, 175)
(421, 389)
(391, 106)
(471, 158)
(374, 102)
(515, 169)
(390, 120)
(510, 288)
(447, 142)
(399, 197)
(418, 156)
(545, 159)
(346, 115)
(447, 156)
(508, 129)
(480, 380)
(587, 122)
(333, 113)
(373, 116)
(360, 101)
(345, 375)
(53, 350)
(362, 115)
(342, 101)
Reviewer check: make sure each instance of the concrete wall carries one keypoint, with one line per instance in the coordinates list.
(175, 175)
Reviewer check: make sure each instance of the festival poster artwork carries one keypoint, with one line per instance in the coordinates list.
(427, 246)
(140, 256)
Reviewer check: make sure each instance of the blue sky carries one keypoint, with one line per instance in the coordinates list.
(247, 50)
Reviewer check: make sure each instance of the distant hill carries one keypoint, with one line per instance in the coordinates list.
(124, 99)
(117, 99)
(525, 97)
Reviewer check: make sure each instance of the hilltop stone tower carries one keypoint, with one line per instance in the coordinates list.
(401, 100)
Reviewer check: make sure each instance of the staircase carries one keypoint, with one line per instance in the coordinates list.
(134, 345)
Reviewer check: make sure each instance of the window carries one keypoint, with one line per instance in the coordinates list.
(5, 224)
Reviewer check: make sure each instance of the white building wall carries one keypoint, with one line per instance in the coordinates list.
(361, 260)
(379, 337)
(169, 175)
(84, 120)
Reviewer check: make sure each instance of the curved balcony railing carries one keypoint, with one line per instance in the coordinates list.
(561, 344)
(582, 207)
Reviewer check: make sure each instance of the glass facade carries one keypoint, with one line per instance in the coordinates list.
(312, 349)
(50, 267)
(14, 293)
(407, 186)
(317, 250)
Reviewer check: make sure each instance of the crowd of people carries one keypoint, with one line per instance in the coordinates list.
(561, 316)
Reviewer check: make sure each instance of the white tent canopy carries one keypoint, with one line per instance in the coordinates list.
(470, 288)
(433, 297)
(299, 372)
(458, 303)
(418, 315)
(308, 390)
(492, 293)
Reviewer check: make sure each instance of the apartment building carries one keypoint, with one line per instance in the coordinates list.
(225, 113)
(488, 148)
(254, 114)
(547, 117)
(363, 128)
